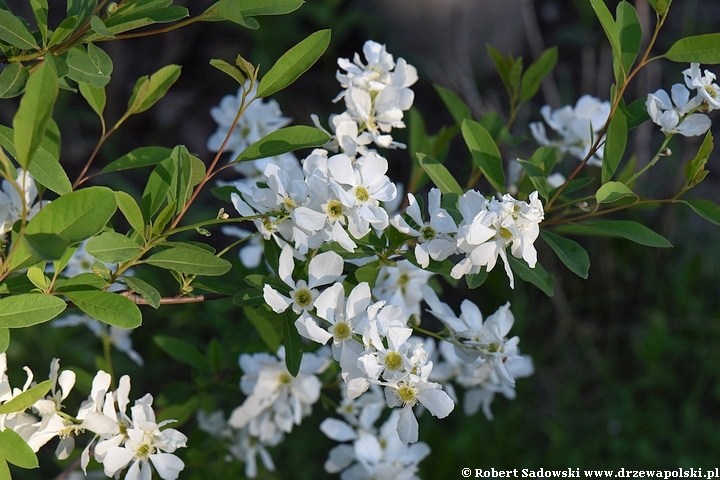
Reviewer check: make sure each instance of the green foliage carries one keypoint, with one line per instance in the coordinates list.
(29, 309)
(700, 49)
(626, 229)
(571, 253)
(12, 80)
(107, 307)
(440, 175)
(284, 140)
(190, 261)
(485, 153)
(294, 63)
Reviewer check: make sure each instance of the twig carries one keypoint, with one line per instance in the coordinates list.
(138, 300)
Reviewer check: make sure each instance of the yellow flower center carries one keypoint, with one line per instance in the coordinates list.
(393, 361)
(505, 233)
(407, 394)
(362, 194)
(428, 233)
(335, 210)
(303, 298)
(144, 450)
(284, 378)
(341, 331)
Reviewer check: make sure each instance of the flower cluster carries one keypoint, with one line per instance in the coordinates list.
(677, 112)
(120, 441)
(487, 227)
(578, 128)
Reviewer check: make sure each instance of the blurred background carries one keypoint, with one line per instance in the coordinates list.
(626, 362)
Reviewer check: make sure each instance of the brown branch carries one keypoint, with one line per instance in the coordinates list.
(177, 300)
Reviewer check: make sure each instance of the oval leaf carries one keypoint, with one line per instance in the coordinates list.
(614, 145)
(4, 338)
(27, 398)
(285, 140)
(147, 91)
(699, 49)
(145, 290)
(626, 229)
(107, 307)
(15, 32)
(440, 175)
(190, 261)
(140, 157)
(538, 276)
(611, 192)
(571, 253)
(13, 80)
(29, 309)
(705, 208)
(112, 247)
(34, 113)
(485, 153)
(294, 63)
(16, 450)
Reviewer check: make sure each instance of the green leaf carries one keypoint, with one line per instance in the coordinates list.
(27, 398)
(608, 24)
(45, 246)
(538, 276)
(485, 153)
(190, 261)
(182, 351)
(140, 157)
(368, 273)
(34, 113)
(112, 247)
(157, 187)
(571, 253)
(695, 168)
(629, 34)
(265, 328)
(93, 66)
(614, 145)
(13, 80)
(95, 96)
(458, 109)
(285, 140)
(82, 9)
(40, 12)
(14, 31)
(253, 8)
(181, 187)
(293, 344)
(81, 281)
(705, 208)
(660, 6)
(130, 19)
(179, 413)
(611, 192)
(636, 112)
(107, 307)
(148, 91)
(440, 175)
(509, 69)
(626, 229)
(4, 339)
(16, 450)
(48, 172)
(536, 72)
(294, 63)
(249, 297)
(99, 27)
(145, 290)
(66, 27)
(129, 207)
(698, 49)
(537, 177)
(73, 217)
(29, 309)
(477, 279)
(4, 469)
(228, 69)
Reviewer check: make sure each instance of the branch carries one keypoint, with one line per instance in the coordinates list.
(178, 300)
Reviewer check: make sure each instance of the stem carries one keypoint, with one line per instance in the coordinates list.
(107, 344)
(81, 178)
(651, 162)
(148, 33)
(177, 300)
(616, 102)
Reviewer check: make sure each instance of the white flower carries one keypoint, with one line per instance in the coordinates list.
(146, 445)
(407, 394)
(672, 116)
(578, 127)
(323, 269)
(435, 237)
(271, 388)
(488, 228)
(401, 285)
(11, 200)
(705, 85)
